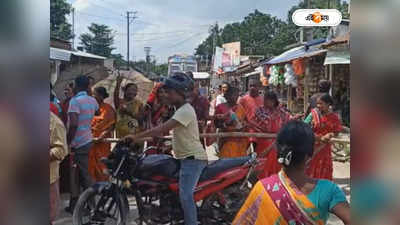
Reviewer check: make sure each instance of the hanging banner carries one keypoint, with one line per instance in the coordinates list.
(218, 58)
(226, 60)
(233, 50)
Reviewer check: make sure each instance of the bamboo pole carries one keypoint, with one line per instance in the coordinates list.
(306, 80)
(225, 135)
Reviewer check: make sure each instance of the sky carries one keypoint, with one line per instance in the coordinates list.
(167, 26)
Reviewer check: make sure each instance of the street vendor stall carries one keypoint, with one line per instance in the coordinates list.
(203, 79)
(295, 73)
(251, 75)
(337, 62)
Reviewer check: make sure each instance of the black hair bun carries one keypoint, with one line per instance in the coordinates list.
(102, 91)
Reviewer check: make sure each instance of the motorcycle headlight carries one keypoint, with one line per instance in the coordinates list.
(127, 184)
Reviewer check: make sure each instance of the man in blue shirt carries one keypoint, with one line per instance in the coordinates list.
(82, 108)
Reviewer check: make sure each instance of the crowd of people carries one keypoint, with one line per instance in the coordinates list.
(80, 123)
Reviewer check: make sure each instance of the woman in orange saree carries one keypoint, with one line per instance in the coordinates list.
(230, 117)
(291, 197)
(326, 125)
(102, 127)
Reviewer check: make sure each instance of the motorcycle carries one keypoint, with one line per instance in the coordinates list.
(153, 181)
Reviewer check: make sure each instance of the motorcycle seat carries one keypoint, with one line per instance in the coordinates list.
(222, 165)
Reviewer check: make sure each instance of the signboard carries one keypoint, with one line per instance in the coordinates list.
(233, 50)
(218, 58)
(226, 60)
(181, 59)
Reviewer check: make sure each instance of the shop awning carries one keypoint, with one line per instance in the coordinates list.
(310, 49)
(337, 57)
(200, 75)
(251, 74)
(257, 71)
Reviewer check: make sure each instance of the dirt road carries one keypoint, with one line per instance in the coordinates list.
(341, 176)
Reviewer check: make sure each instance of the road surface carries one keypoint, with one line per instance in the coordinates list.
(341, 173)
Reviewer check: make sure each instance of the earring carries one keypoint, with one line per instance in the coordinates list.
(288, 158)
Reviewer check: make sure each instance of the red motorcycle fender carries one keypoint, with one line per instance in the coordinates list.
(224, 180)
(231, 174)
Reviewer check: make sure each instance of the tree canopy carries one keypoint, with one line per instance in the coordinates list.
(259, 34)
(152, 66)
(99, 41)
(59, 27)
(263, 34)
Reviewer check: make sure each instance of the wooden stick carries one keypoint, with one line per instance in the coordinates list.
(227, 134)
(238, 134)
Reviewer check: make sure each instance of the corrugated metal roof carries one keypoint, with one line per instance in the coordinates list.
(65, 55)
(60, 54)
(87, 55)
(296, 53)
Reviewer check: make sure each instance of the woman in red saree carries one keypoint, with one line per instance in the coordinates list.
(102, 126)
(230, 117)
(326, 125)
(291, 197)
(157, 110)
(269, 119)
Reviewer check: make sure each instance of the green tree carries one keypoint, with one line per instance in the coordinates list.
(141, 64)
(59, 27)
(259, 34)
(99, 41)
(161, 69)
(263, 34)
(206, 48)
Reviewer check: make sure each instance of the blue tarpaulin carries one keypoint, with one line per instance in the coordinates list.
(309, 49)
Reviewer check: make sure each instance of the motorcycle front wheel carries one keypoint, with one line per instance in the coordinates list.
(99, 208)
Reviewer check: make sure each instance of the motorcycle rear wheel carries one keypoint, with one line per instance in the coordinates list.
(112, 210)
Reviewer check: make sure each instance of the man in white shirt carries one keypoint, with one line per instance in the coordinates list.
(221, 97)
(185, 142)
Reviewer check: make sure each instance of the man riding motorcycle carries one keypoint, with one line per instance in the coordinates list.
(186, 142)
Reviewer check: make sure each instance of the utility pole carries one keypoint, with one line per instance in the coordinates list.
(214, 38)
(308, 30)
(307, 76)
(73, 28)
(129, 15)
(147, 51)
